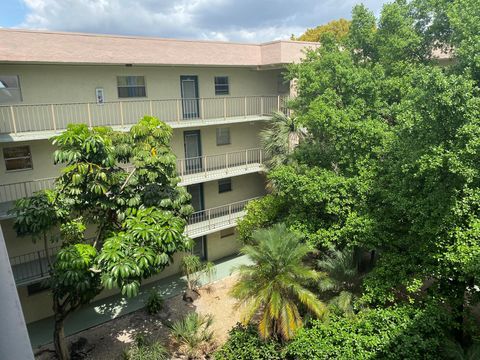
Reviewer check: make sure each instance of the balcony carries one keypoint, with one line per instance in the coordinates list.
(191, 171)
(31, 267)
(41, 121)
(214, 167)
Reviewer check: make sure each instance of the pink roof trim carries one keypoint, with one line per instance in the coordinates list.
(77, 48)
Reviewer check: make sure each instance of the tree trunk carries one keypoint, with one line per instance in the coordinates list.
(61, 347)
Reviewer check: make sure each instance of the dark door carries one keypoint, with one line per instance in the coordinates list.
(196, 191)
(193, 152)
(189, 89)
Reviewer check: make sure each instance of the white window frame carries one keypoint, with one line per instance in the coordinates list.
(5, 159)
(18, 88)
(223, 136)
(219, 92)
(224, 182)
(132, 86)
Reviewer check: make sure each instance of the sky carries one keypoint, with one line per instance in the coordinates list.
(228, 20)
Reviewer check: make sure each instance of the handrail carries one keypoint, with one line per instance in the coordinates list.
(21, 118)
(230, 161)
(33, 266)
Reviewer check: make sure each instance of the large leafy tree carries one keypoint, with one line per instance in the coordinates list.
(274, 286)
(122, 187)
(336, 28)
(391, 161)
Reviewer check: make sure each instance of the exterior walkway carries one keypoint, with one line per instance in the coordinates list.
(104, 310)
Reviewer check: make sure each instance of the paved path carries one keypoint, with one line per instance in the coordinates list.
(104, 310)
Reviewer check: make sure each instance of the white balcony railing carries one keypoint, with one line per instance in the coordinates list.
(34, 266)
(16, 119)
(192, 170)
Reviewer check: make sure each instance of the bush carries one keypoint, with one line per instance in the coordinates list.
(154, 302)
(142, 350)
(245, 344)
(393, 333)
(193, 334)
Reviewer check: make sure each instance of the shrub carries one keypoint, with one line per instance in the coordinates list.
(142, 350)
(192, 334)
(154, 302)
(245, 344)
(392, 333)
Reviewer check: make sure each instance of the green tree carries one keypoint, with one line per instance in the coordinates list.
(342, 279)
(280, 138)
(391, 160)
(193, 334)
(336, 28)
(139, 215)
(273, 286)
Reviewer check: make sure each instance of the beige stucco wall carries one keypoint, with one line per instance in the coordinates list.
(218, 247)
(242, 136)
(39, 306)
(70, 83)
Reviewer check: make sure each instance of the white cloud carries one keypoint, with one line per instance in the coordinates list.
(233, 20)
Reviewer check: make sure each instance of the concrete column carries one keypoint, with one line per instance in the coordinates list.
(14, 340)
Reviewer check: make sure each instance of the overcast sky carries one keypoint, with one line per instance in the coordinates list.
(232, 20)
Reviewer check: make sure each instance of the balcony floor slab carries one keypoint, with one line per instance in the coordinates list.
(181, 124)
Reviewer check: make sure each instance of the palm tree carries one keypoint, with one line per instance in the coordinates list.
(454, 350)
(192, 334)
(341, 279)
(274, 284)
(280, 139)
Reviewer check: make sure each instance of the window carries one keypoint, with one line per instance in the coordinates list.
(131, 86)
(17, 158)
(283, 85)
(227, 232)
(200, 247)
(224, 185)
(221, 85)
(223, 136)
(10, 89)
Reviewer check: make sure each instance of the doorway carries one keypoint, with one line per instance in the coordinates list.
(189, 92)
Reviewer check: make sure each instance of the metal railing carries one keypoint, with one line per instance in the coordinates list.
(15, 191)
(204, 221)
(16, 119)
(232, 162)
(228, 161)
(33, 266)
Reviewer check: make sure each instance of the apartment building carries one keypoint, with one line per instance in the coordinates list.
(216, 96)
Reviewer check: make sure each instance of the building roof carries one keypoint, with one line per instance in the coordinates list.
(29, 46)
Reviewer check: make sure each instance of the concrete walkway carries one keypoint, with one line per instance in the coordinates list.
(104, 310)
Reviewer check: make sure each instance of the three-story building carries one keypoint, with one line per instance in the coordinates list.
(216, 96)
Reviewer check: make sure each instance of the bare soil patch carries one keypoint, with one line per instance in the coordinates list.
(109, 340)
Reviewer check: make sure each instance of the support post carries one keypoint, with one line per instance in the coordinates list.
(121, 113)
(225, 108)
(89, 115)
(54, 123)
(14, 123)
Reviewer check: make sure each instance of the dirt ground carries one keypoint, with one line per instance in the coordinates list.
(109, 340)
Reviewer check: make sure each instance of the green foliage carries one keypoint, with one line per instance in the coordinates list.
(194, 268)
(193, 334)
(280, 138)
(336, 28)
(273, 287)
(143, 350)
(154, 302)
(392, 333)
(139, 214)
(244, 344)
(341, 281)
(260, 213)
